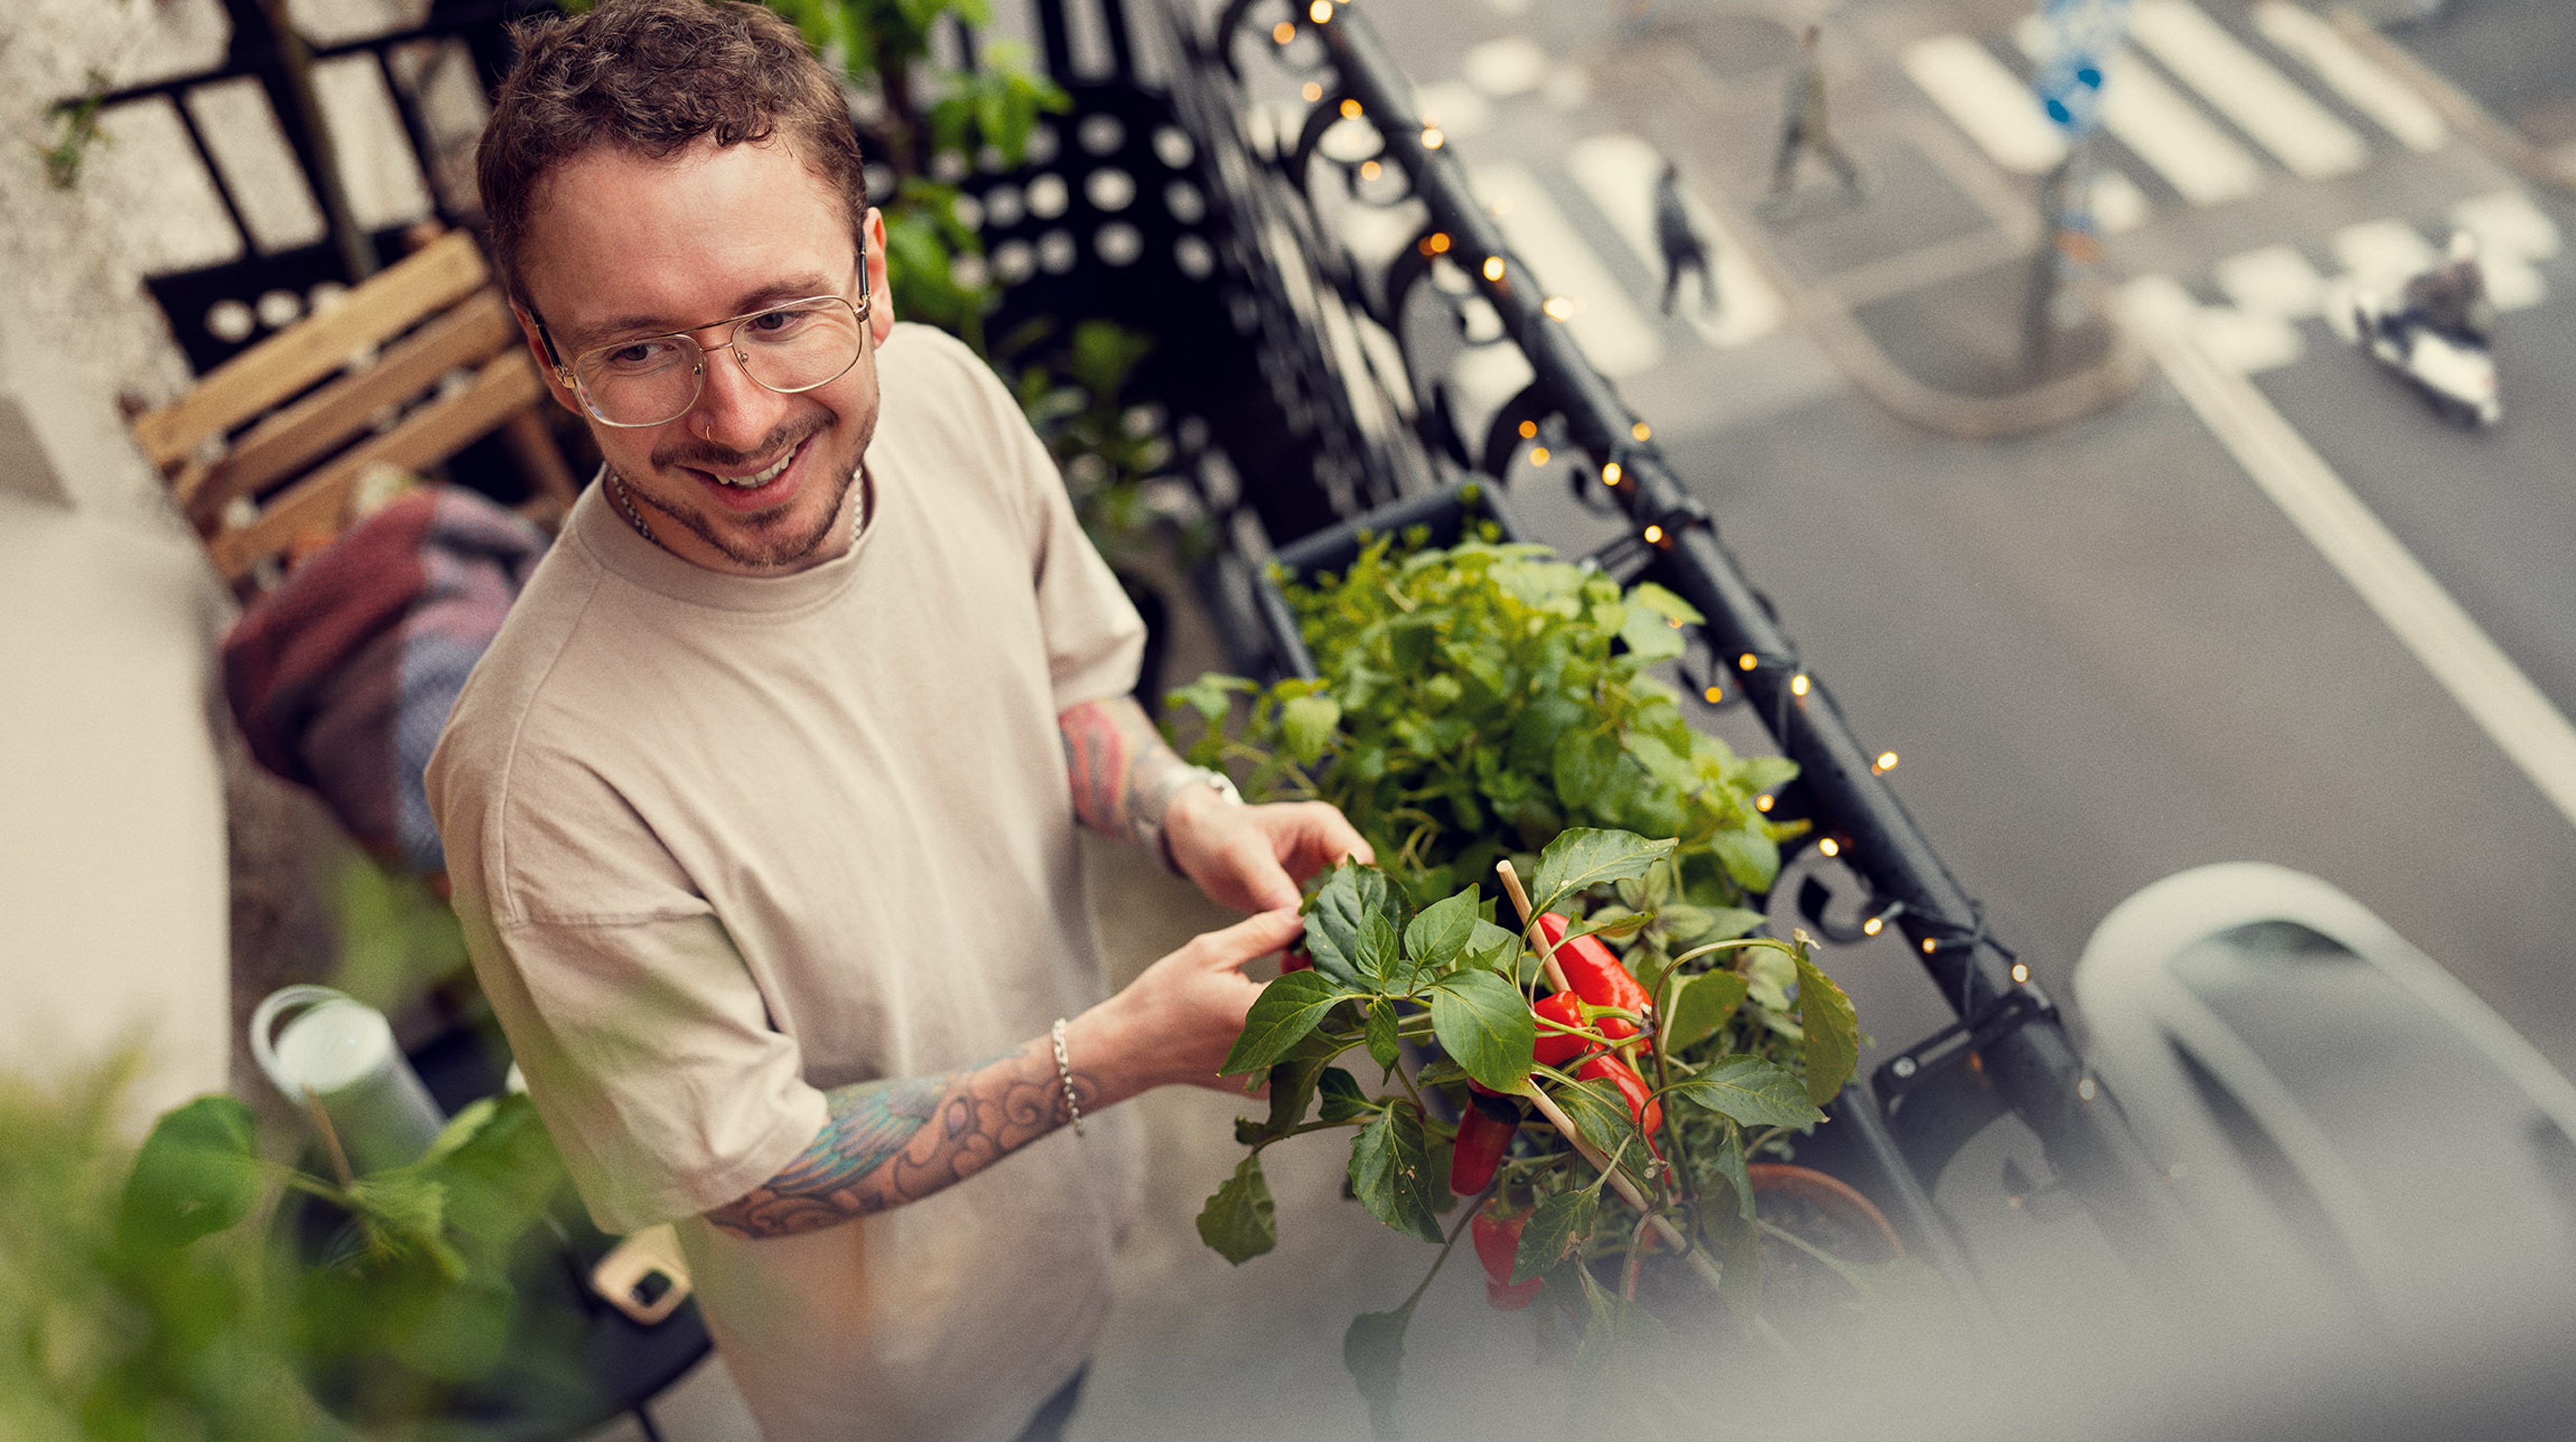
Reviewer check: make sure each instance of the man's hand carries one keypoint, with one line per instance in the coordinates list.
(1176, 1022)
(1254, 858)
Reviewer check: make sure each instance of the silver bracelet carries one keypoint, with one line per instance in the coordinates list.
(1064, 1071)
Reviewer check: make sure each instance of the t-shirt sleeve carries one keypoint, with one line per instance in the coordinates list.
(648, 1051)
(1094, 638)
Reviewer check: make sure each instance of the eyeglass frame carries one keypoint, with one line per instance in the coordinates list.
(859, 308)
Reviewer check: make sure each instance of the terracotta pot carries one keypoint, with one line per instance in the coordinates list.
(1827, 1193)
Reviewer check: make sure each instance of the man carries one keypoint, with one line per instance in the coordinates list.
(1679, 239)
(1804, 124)
(2451, 297)
(760, 808)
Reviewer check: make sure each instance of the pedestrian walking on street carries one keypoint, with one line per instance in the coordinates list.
(1804, 125)
(1683, 246)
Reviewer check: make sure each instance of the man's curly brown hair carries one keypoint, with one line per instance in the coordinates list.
(651, 77)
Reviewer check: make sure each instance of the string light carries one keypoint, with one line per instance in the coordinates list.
(2021, 973)
(2086, 1089)
(1538, 456)
(1746, 662)
(1798, 684)
(1312, 91)
(1321, 11)
(1529, 430)
(1930, 946)
(1350, 108)
(1642, 431)
(1830, 847)
(1763, 802)
(1557, 307)
(1872, 927)
(1493, 267)
(1368, 170)
(1431, 137)
(1283, 32)
(1713, 696)
(1654, 535)
(1610, 473)
(1885, 763)
(1673, 621)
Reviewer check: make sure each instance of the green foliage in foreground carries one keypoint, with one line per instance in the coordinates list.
(1734, 1075)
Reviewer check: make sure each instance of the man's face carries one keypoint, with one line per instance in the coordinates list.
(622, 247)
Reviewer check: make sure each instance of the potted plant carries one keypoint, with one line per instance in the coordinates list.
(1603, 1149)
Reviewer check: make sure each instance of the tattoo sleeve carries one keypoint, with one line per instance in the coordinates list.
(1123, 774)
(891, 1142)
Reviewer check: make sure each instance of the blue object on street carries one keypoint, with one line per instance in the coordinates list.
(2085, 36)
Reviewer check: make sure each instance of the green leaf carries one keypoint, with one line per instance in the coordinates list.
(1292, 1091)
(198, 1173)
(1335, 918)
(1380, 957)
(1308, 724)
(1686, 925)
(498, 1169)
(1240, 1222)
(1750, 856)
(1484, 1023)
(1702, 1005)
(1648, 596)
(1832, 1047)
(1581, 857)
(1601, 1114)
(1281, 1017)
(1752, 1091)
(1651, 638)
(1391, 1171)
(1373, 1350)
(1554, 1230)
(1343, 1100)
(1379, 1036)
(1582, 767)
(1730, 1165)
(1441, 933)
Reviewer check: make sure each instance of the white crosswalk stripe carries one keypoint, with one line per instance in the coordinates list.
(1986, 100)
(2303, 135)
(1614, 337)
(1617, 172)
(2362, 82)
(2381, 254)
(2274, 280)
(2163, 129)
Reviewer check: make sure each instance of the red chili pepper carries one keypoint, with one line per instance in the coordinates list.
(1498, 1244)
(1295, 959)
(1596, 975)
(1555, 1048)
(1642, 1107)
(1483, 1136)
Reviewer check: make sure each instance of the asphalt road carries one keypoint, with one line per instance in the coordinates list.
(2102, 652)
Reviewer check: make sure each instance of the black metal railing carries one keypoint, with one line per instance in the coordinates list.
(2008, 1049)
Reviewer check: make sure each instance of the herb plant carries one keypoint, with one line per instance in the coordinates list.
(1600, 1180)
(1476, 700)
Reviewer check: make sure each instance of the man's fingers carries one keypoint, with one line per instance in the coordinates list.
(1321, 835)
(1256, 935)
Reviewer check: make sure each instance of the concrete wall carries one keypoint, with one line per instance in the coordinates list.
(113, 924)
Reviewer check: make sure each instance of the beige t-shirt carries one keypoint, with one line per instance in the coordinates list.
(722, 843)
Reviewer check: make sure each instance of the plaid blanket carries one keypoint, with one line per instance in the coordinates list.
(342, 677)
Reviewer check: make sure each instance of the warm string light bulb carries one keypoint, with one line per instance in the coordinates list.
(1872, 927)
(1369, 170)
(1538, 456)
(2021, 973)
(1320, 12)
(1654, 535)
(1746, 662)
(1493, 267)
(1350, 110)
(1885, 763)
(1529, 430)
(1830, 847)
(1713, 696)
(1642, 431)
(1798, 684)
(1610, 473)
(1312, 91)
(1432, 139)
(1930, 946)
(1762, 803)
(1283, 32)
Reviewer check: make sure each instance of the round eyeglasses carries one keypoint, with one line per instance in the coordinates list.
(653, 380)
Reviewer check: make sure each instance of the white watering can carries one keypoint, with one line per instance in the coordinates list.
(341, 1052)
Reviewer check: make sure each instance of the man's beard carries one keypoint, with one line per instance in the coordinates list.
(788, 549)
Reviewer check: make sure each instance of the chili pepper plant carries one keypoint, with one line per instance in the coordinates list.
(1602, 1120)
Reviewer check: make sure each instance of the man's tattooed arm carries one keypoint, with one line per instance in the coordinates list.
(891, 1142)
(1123, 774)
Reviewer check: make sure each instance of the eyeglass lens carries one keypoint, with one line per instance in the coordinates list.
(788, 348)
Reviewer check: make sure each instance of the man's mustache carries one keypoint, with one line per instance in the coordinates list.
(707, 458)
